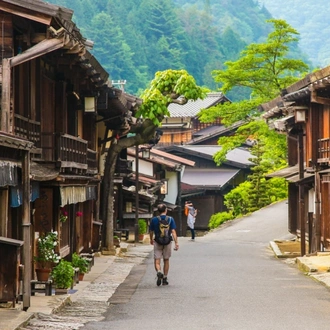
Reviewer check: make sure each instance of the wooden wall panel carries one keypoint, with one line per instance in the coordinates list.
(6, 34)
(325, 218)
(43, 216)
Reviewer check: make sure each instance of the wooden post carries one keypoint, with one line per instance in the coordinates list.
(317, 231)
(26, 229)
(136, 225)
(301, 194)
(5, 98)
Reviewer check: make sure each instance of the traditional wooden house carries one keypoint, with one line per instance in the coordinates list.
(205, 184)
(56, 104)
(183, 124)
(158, 180)
(303, 113)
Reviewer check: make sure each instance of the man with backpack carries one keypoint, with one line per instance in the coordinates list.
(162, 231)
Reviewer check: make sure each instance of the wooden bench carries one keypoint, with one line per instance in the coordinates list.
(41, 286)
(122, 233)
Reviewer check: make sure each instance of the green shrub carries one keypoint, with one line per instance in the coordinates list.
(62, 274)
(142, 226)
(219, 218)
(79, 262)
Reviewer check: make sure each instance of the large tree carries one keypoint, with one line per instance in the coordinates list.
(169, 86)
(264, 69)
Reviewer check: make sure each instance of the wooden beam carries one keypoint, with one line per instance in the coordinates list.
(5, 99)
(26, 13)
(318, 99)
(40, 49)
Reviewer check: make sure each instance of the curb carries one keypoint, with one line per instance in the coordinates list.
(276, 250)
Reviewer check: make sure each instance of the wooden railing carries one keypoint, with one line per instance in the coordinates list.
(66, 150)
(71, 151)
(323, 151)
(28, 129)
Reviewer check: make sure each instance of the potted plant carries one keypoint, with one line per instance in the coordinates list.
(81, 263)
(142, 228)
(62, 276)
(46, 256)
(116, 241)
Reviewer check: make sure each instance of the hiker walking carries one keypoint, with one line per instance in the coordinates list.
(191, 218)
(162, 231)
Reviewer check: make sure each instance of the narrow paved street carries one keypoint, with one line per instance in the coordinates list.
(228, 279)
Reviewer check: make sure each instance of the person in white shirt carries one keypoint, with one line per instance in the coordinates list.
(191, 218)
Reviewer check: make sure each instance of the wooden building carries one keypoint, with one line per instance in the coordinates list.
(303, 113)
(183, 125)
(206, 184)
(57, 110)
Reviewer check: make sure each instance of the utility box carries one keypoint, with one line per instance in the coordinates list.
(10, 254)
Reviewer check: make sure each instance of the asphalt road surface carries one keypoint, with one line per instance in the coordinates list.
(228, 279)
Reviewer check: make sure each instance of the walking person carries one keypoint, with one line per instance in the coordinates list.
(162, 231)
(191, 218)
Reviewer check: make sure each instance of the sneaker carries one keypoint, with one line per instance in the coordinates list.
(165, 281)
(159, 278)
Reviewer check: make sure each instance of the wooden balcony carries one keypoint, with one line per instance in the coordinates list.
(323, 151)
(69, 153)
(28, 129)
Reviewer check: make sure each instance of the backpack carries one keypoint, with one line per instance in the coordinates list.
(186, 210)
(164, 236)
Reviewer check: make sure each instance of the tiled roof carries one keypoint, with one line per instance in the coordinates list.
(192, 108)
(215, 178)
(238, 157)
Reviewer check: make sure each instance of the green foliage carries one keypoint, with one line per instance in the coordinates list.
(142, 226)
(168, 86)
(62, 274)
(79, 262)
(219, 218)
(237, 200)
(275, 144)
(46, 255)
(134, 39)
(264, 68)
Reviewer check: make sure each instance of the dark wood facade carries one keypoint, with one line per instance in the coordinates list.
(304, 109)
(55, 100)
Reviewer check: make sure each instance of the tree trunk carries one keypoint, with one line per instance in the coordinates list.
(146, 132)
(108, 199)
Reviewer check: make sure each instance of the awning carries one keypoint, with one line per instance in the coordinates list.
(284, 172)
(16, 194)
(8, 173)
(291, 174)
(77, 194)
(39, 172)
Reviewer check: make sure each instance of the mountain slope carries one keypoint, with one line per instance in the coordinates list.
(311, 19)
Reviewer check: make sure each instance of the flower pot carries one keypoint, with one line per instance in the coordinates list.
(141, 237)
(81, 276)
(43, 274)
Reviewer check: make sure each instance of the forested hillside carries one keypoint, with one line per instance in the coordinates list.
(311, 19)
(135, 38)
